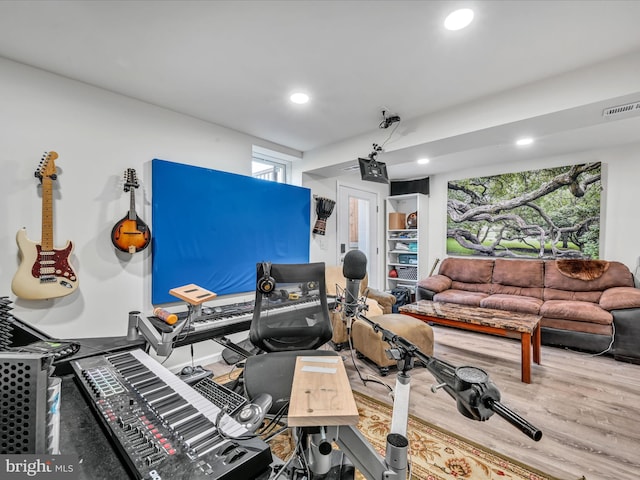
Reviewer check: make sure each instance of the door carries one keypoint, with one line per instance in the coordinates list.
(357, 220)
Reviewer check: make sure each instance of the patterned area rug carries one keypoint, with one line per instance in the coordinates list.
(435, 453)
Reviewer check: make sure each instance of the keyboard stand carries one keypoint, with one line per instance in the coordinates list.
(225, 342)
(163, 341)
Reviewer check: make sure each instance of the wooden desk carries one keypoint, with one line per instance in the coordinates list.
(321, 394)
(485, 320)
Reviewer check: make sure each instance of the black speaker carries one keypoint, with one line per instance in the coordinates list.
(410, 186)
(266, 284)
(24, 380)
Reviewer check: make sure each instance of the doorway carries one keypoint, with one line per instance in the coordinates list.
(357, 220)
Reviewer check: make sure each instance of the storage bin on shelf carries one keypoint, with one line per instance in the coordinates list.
(397, 221)
(407, 273)
(408, 259)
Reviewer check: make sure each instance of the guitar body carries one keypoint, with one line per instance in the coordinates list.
(131, 236)
(43, 274)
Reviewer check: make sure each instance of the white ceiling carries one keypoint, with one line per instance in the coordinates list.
(234, 63)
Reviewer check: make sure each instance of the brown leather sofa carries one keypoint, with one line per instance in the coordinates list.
(589, 305)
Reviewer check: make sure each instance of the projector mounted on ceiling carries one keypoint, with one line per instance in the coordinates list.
(371, 170)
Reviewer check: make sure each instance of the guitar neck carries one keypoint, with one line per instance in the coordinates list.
(47, 214)
(132, 204)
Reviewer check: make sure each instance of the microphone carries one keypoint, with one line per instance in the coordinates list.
(354, 270)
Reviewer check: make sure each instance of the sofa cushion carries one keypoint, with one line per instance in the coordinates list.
(519, 273)
(617, 275)
(472, 287)
(620, 297)
(460, 296)
(572, 310)
(513, 303)
(435, 283)
(498, 289)
(553, 294)
(467, 270)
(518, 277)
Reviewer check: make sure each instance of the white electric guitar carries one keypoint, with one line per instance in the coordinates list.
(44, 272)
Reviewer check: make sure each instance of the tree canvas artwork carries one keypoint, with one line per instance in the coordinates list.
(548, 213)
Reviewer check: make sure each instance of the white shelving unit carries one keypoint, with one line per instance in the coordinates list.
(406, 248)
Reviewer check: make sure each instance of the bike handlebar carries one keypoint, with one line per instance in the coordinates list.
(514, 419)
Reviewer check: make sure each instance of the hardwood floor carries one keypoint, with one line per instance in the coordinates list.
(588, 407)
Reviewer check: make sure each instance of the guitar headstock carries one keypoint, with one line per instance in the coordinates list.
(47, 166)
(130, 179)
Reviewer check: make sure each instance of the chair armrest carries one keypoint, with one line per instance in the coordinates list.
(385, 300)
(617, 298)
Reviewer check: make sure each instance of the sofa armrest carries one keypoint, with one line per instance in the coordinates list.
(435, 283)
(626, 343)
(424, 294)
(618, 298)
(385, 300)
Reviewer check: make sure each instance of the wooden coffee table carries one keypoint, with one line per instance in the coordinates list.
(485, 320)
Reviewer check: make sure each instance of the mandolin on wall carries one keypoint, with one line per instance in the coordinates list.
(131, 234)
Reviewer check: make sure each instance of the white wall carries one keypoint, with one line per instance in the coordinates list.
(613, 78)
(620, 222)
(97, 135)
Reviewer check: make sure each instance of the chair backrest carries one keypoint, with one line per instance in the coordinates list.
(336, 280)
(294, 315)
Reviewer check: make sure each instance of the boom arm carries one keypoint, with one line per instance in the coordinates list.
(476, 396)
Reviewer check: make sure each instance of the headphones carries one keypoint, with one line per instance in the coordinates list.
(266, 284)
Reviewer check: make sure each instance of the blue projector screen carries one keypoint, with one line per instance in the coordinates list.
(211, 228)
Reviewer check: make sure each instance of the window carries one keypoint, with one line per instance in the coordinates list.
(270, 165)
(268, 170)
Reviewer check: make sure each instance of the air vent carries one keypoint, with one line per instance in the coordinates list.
(620, 109)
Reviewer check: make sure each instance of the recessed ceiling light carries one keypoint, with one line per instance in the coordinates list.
(459, 19)
(523, 142)
(423, 161)
(299, 98)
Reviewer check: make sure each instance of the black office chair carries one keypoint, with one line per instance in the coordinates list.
(291, 318)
